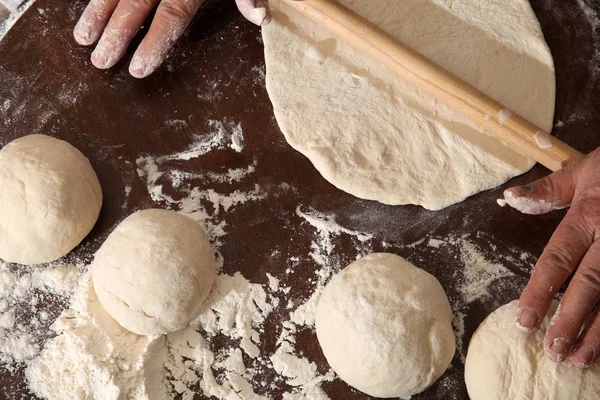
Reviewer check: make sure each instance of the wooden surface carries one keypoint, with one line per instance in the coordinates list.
(113, 119)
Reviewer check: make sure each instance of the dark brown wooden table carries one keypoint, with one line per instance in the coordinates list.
(113, 119)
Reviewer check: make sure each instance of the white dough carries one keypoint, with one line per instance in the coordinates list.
(50, 199)
(385, 326)
(154, 271)
(376, 136)
(505, 363)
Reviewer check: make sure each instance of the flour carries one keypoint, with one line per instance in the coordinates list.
(273, 282)
(233, 175)
(237, 138)
(477, 273)
(88, 353)
(543, 140)
(207, 206)
(217, 138)
(237, 309)
(300, 372)
(504, 116)
(14, 16)
(93, 356)
(24, 308)
(530, 206)
(326, 224)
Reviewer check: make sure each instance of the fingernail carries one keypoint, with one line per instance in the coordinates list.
(99, 59)
(583, 357)
(519, 191)
(83, 32)
(137, 68)
(559, 349)
(527, 319)
(83, 35)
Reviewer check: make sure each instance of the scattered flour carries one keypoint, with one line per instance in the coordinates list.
(237, 138)
(326, 224)
(79, 351)
(476, 274)
(206, 206)
(92, 356)
(220, 135)
(14, 17)
(24, 307)
(435, 243)
(237, 309)
(479, 272)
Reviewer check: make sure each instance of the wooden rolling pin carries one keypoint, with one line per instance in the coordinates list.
(435, 80)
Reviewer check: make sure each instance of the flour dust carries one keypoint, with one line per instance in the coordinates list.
(74, 348)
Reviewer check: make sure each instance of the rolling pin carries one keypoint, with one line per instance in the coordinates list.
(439, 83)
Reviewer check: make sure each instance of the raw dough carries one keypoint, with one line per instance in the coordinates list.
(505, 363)
(50, 197)
(385, 326)
(154, 271)
(377, 137)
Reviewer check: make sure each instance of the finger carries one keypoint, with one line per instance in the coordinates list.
(255, 11)
(124, 23)
(587, 349)
(566, 248)
(576, 306)
(550, 193)
(171, 19)
(93, 20)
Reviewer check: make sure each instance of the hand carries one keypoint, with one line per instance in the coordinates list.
(116, 22)
(574, 248)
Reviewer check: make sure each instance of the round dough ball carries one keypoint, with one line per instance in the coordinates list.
(505, 363)
(50, 197)
(385, 326)
(154, 271)
(378, 137)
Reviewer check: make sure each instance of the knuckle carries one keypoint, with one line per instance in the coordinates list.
(549, 186)
(141, 4)
(593, 157)
(563, 327)
(589, 279)
(177, 10)
(535, 295)
(588, 208)
(556, 260)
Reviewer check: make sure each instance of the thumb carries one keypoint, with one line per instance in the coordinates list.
(255, 11)
(553, 192)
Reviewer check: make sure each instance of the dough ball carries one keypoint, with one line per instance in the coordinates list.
(154, 271)
(385, 326)
(505, 363)
(50, 197)
(378, 137)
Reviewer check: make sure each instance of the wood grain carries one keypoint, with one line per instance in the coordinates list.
(215, 73)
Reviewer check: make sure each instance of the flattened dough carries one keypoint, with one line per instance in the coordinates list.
(376, 136)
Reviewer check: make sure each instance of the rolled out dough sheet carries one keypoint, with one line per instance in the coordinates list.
(376, 136)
